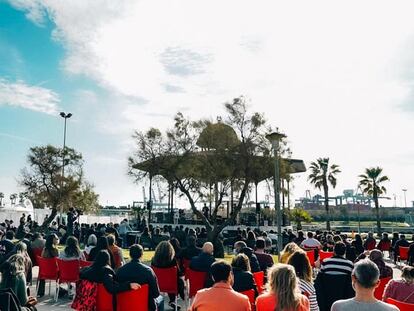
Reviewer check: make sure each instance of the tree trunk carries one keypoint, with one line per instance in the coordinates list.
(328, 220)
(45, 225)
(375, 195)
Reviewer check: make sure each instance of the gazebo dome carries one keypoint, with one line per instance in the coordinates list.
(218, 136)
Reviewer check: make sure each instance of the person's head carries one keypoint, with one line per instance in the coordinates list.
(288, 250)
(92, 240)
(358, 238)
(191, 241)
(365, 275)
(370, 234)
(337, 238)
(260, 244)
(72, 247)
(221, 272)
(402, 236)
(51, 241)
(164, 253)
(102, 243)
(385, 236)
(239, 245)
(111, 239)
(21, 248)
(300, 234)
(251, 235)
(102, 259)
(396, 235)
(301, 263)
(339, 249)
(136, 251)
(241, 261)
(310, 234)
(408, 274)
(282, 283)
(208, 248)
(376, 255)
(37, 236)
(329, 238)
(9, 235)
(175, 244)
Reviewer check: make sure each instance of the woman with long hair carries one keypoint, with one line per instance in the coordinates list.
(358, 244)
(303, 270)
(287, 251)
(243, 278)
(403, 289)
(101, 272)
(72, 250)
(282, 291)
(164, 257)
(51, 250)
(102, 244)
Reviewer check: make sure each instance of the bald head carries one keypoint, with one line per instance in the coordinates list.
(208, 248)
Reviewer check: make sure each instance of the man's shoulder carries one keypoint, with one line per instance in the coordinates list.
(352, 304)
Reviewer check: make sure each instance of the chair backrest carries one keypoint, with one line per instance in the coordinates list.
(311, 256)
(385, 246)
(379, 291)
(84, 263)
(167, 279)
(325, 255)
(37, 252)
(196, 280)
(403, 252)
(249, 293)
(259, 279)
(136, 298)
(403, 306)
(68, 270)
(103, 299)
(186, 263)
(48, 269)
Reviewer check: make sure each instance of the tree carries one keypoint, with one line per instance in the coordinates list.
(1, 198)
(372, 184)
(299, 215)
(45, 185)
(322, 175)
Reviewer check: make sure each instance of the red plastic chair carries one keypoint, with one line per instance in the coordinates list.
(251, 295)
(196, 281)
(68, 272)
(136, 300)
(167, 281)
(385, 246)
(48, 270)
(403, 306)
(103, 299)
(311, 256)
(403, 253)
(324, 255)
(379, 291)
(37, 252)
(84, 263)
(186, 263)
(259, 279)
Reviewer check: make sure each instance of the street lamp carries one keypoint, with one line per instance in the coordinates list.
(405, 197)
(65, 116)
(275, 138)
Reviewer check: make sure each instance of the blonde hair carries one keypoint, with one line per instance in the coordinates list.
(289, 249)
(283, 284)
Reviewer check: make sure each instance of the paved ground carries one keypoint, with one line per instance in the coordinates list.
(48, 303)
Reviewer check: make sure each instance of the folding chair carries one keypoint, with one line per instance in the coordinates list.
(136, 300)
(168, 281)
(48, 270)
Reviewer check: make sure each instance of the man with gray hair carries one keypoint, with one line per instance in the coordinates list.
(365, 278)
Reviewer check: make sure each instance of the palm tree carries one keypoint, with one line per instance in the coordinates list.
(321, 176)
(371, 184)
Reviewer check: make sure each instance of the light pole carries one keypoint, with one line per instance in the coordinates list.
(405, 197)
(65, 116)
(275, 138)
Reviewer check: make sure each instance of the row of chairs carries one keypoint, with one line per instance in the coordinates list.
(60, 271)
(136, 300)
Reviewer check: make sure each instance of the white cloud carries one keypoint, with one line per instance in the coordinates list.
(26, 96)
(327, 73)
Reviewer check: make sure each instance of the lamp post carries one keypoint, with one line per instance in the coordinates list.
(405, 197)
(275, 138)
(65, 116)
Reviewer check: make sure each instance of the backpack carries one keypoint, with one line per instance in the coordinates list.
(85, 298)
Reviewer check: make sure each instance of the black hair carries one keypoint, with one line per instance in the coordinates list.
(260, 243)
(136, 251)
(220, 271)
(339, 248)
(102, 259)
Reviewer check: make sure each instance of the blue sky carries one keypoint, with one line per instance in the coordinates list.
(337, 88)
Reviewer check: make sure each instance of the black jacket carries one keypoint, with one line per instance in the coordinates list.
(243, 280)
(202, 262)
(332, 287)
(189, 252)
(254, 263)
(135, 271)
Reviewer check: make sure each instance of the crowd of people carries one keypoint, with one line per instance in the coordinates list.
(344, 281)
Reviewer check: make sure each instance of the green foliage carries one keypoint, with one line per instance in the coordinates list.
(299, 215)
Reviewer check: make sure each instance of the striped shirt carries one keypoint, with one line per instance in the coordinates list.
(337, 265)
(308, 290)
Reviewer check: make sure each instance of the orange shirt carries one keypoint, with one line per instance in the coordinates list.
(220, 297)
(267, 302)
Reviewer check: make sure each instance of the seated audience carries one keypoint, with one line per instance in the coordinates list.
(401, 242)
(72, 250)
(241, 247)
(49, 251)
(287, 251)
(370, 242)
(191, 250)
(220, 296)
(377, 257)
(385, 243)
(102, 244)
(282, 291)
(358, 244)
(164, 257)
(401, 290)
(116, 252)
(251, 239)
(310, 242)
(243, 278)
(204, 260)
(329, 244)
(303, 269)
(337, 264)
(38, 241)
(300, 238)
(265, 260)
(365, 278)
(136, 271)
(91, 243)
